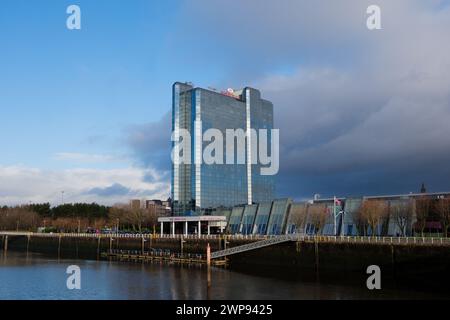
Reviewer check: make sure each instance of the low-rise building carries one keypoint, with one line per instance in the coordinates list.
(332, 216)
(158, 207)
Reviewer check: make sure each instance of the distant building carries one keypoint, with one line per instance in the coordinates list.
(423, 189)
(135, 204)
(160, 208)
(348, 224)
(200, 188)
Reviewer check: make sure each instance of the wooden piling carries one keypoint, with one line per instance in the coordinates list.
(208, 255)
(59, 246)
(98, 247)
(28, 243)
(316, 250)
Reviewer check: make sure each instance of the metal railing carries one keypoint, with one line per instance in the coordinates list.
(135, 235)
(379, 240)
(255, 238)
(254, 245)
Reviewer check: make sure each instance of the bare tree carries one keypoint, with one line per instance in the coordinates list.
(19, 218)
(151, 217)
(360, 222)
(423, 206)
(299, 217)
(402, 213)
(318, 215)
(373, 212)
(64, 224)
(117, 215)
(443, 210)
(136, 217)
(133, 216)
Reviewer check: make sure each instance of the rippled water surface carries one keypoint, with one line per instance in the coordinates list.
(34, 276)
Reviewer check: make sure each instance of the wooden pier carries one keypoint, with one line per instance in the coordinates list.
(133, 256)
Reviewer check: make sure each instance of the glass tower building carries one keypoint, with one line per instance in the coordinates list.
(199, 188)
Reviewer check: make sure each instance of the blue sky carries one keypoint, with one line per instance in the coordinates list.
(72, 88)
(85, 111)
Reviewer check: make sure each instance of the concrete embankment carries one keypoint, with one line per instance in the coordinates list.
(406, 265)
(92, 247)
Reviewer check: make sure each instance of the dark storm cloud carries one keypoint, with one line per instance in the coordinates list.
(359, 112)
(118, 190)
(151, 144)
(374, 119)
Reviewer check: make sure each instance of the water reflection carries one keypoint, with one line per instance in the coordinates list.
(32, 276)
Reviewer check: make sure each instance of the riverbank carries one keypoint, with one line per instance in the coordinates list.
(408, 265)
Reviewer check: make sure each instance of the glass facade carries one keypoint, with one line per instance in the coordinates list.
(226, 212)
(278, 216)
(234, 224)
(315, 217)
(198, 188)
(221, 184)
(261, 117)
(181, 173)
(351, 208)
(298, 218)
(262, 218)
(248, 219)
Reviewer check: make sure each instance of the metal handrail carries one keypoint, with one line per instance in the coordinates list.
(257, 238)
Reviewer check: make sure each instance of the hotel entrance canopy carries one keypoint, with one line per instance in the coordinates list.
(194, 223)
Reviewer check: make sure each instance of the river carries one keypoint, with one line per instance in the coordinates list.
(33, 276)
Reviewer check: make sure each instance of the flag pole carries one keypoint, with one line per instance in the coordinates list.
(334, 214)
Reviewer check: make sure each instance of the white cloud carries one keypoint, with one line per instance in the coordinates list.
(86, 157)
(21, 184)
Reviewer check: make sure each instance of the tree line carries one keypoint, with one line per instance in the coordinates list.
(77, 217)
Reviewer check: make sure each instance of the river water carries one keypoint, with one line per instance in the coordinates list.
(32, 276)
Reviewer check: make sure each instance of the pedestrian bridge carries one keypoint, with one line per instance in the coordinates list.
(255, 245)
(404, 241)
